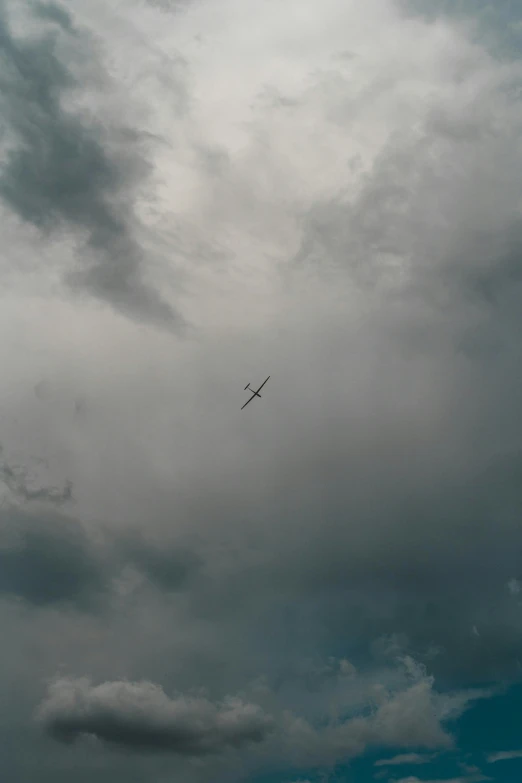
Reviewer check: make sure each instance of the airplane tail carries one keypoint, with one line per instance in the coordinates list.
(246, 387)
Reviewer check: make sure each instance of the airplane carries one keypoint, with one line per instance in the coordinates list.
(255, 394)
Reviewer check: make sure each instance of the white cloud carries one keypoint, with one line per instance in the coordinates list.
(405, 758)
(506, 755)
(466, 779)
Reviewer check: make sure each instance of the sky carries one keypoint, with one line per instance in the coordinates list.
(325, 586)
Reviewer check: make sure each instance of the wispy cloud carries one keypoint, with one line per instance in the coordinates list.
(467, 779)
(405, 758)
(506, 755)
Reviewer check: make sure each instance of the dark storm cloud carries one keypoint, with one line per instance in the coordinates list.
(59, 173)
(141, 717)
(46, 558)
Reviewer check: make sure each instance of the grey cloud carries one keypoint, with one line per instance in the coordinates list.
(16, 479)
(168, 566)
(409, 720)
(496, 271)
(47, 558)
(393, 572)
(458, 312)
(169, 5)
(140, 716)
(52, 12)
(59, 173)
(366, 496)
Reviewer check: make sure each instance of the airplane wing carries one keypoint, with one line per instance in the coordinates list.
(250, 400)
(262, 385)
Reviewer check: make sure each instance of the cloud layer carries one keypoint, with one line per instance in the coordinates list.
(328, 193)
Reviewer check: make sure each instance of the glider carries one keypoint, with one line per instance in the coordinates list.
(255, 394)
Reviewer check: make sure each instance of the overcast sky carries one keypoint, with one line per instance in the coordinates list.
(327, 585)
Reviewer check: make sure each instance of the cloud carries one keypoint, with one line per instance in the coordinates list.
(408, 720)
(498, 23)
(16, 479)
(167, 566)
(54, 12)
(48, 558)
(340, 185)
(60, 173)
(466, 779)
(506, 755)
(141, 716)
(411, 716)
(404, 758)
